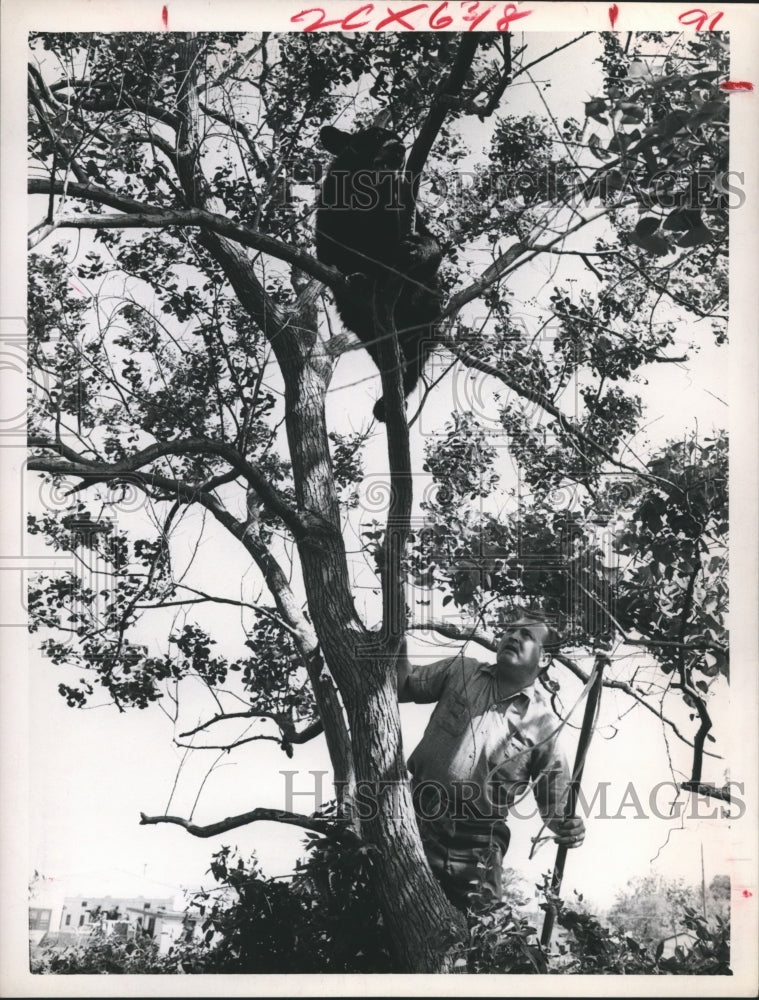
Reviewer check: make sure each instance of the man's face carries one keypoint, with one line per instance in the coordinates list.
(519, 651)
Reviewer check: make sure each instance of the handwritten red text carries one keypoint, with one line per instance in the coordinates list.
(414, 17)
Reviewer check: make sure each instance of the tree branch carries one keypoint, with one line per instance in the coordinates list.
(93, 192)
(538, 397)
(328, 703)
(151, 217)
(500, 88)
(628, 689)
(448, 89)
(315, 823)
(710, 791)
(547, 55)
(123, 101)
(506, 262)
(289, 733)
(397, 527)
(203, 597)
(451, 631)
(227, 748)
(232, 123)
(489, 277)
(705, 722)
(77, 465)
(62, 149)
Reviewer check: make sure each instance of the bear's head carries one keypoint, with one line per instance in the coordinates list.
(360, 209)
(372, 148)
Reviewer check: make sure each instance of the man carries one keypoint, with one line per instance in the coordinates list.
(491, 737)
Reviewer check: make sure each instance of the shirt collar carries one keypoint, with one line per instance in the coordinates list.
(528, 692)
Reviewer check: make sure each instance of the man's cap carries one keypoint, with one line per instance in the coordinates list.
(552, 639)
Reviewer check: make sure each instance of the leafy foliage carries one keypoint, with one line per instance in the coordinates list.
(104, 954)
(595, 949)
(651, 908)
(326, 918)
(677, 540)
(661, 118)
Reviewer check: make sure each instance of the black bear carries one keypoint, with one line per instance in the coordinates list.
(363, 228)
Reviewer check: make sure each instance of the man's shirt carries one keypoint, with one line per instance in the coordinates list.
(496, 745)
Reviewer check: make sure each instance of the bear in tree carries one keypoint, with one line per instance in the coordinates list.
(366, 228)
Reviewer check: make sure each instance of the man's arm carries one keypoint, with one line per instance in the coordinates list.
(422, 683)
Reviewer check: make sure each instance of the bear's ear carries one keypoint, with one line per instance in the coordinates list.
(334, 140)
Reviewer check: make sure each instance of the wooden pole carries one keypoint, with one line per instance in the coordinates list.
(586, 733)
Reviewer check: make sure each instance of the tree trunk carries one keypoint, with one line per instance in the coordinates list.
(422, 923)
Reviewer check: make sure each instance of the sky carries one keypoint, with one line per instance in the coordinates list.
(91, 772)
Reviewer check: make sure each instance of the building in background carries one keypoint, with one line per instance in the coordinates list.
(39, 923)
(82, 914)
(122, 917)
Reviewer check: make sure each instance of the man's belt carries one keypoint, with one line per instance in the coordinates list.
(469, 833)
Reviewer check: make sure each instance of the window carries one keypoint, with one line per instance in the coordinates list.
(81, 920)
(39, 920)
(68, 919)
(146, 906)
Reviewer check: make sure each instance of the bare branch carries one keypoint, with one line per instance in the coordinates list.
(489, 277)
(628, 690)
(288, 730)
(204, 597)
(39, 233)
(509, 259)
(316, 823)
(547, 55)
(710, 791)
(227, 748)
(89, 191)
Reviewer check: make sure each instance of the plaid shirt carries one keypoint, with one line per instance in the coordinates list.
(499, 745)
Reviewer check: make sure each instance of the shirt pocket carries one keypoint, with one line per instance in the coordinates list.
(512, 759)
(452, 715)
